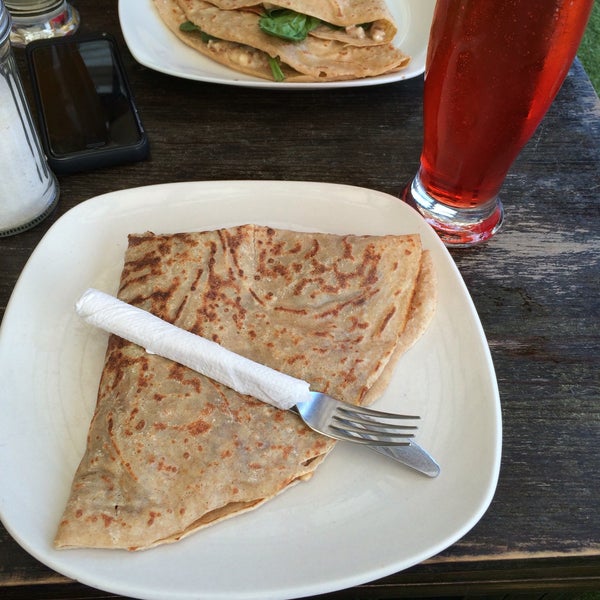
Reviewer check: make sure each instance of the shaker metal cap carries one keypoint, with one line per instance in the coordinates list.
(5, 23)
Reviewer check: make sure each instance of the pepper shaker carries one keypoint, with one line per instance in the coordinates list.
(28, 188)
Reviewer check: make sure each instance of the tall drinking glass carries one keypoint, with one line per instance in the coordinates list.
(493, 69)
(40, 19)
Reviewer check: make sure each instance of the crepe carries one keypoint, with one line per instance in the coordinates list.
(341, 47)
(359, 23)
(170, 451)
(420, 315)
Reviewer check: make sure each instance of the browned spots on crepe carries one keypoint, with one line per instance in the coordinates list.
(175, 451)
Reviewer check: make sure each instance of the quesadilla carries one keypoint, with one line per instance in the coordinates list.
(293, 40)
(170, 451)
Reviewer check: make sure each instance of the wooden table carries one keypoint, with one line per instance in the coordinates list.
(536, 287)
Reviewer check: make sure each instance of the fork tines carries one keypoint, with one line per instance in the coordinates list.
(360, 425)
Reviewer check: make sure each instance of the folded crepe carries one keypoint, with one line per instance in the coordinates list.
(170, 451)
(347, 39)
(356, 22)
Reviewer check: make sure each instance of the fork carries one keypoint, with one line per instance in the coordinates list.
(320, 412)
(358, 424)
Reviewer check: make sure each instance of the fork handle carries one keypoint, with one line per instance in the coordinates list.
(204, 356)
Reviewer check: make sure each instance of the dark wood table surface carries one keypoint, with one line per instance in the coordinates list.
(536, 287)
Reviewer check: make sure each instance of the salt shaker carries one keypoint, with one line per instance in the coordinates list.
(28, 188)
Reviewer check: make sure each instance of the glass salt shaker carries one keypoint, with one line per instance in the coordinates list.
(40, 20)
(28, 188)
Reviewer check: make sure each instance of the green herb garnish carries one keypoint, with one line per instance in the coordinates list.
(288, 24)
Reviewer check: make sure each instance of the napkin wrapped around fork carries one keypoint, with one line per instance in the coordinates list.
(204, 356)
(169, 450)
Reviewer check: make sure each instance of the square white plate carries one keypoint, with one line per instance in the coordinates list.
(154, 46)
(359, 518)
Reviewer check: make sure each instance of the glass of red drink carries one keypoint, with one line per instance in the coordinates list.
(493, 69)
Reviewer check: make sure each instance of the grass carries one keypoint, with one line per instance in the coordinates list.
(589, 51)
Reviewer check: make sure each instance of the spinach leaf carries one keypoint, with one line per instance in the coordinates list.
(188, 26)
(287, 24)
(276, 69)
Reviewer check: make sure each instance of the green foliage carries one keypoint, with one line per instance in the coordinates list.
(589, 51)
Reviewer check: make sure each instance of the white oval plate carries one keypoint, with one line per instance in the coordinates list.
(154, 46)
(361, 516)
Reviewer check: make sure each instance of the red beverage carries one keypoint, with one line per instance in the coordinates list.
(493, 69)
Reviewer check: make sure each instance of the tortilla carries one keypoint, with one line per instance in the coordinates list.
(233, 38)
(170, 451)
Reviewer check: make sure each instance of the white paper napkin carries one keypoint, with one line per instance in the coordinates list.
(204, 356)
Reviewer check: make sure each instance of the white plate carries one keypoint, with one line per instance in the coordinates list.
(156, 47)
(359, 518)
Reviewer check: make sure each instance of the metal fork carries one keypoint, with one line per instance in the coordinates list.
(320, 412)
(358, 424)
